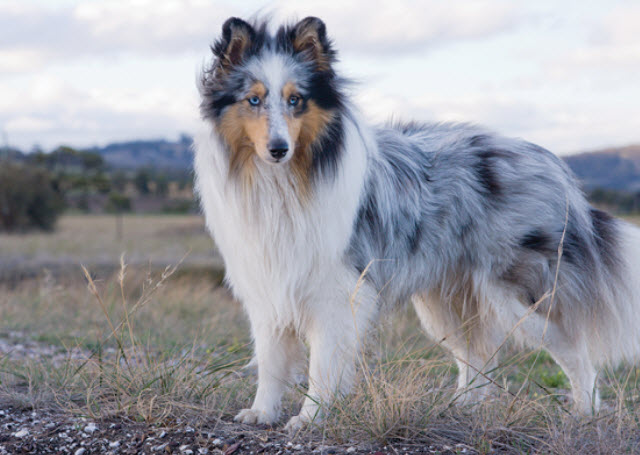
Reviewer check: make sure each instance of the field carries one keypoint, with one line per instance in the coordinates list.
(144, 354)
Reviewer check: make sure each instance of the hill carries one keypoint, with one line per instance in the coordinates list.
(612, 168)
(615, 168)
(161, 154)
(158, 154)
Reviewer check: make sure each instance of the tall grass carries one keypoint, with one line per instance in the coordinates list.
(130, 357)
(160, 346)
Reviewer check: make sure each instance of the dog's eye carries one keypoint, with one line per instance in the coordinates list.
(254, 100)
(294, 100)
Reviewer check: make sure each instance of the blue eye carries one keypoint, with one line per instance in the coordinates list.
(254, 100)
(293, 100)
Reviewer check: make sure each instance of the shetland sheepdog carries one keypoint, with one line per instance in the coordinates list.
(324, 221)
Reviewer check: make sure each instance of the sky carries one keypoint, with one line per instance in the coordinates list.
(562, 74)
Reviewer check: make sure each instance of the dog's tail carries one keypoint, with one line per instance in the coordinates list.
(615, 331)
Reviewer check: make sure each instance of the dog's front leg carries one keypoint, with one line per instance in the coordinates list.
(335, 338)
(276, 352)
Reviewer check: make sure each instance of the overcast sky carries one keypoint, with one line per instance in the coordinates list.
(563, 74)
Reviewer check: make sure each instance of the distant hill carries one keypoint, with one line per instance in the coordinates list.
(158, 154)
(613, 168)
(616, 168)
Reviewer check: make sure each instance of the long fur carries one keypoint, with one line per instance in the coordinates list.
(482, 233)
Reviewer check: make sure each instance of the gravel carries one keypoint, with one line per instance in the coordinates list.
(53, 432)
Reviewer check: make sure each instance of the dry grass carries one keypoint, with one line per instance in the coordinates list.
(159, 239)
(152, 347)
(160, 346)
(144, 344)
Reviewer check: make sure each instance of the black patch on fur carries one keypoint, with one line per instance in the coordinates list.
(606, 236)
(324, 91)
(575, 248)
(537, 240)
(486, 173)
(368, 225)
(218, 104)
(327, 148)
(414, 239)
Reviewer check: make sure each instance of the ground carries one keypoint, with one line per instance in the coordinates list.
(145, 355)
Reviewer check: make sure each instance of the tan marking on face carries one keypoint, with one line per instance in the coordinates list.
(304, 130)
(258, 89)
(245, 129)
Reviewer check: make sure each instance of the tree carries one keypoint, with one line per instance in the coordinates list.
(118, 203)
(29, 197)
(141, 180)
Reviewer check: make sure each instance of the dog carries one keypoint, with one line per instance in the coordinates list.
(324, 221)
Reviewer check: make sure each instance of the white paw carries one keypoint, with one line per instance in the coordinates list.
(253, 416)
(296, 423)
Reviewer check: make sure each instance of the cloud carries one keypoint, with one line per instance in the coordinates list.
(50, 111)
(619, 27)
(33, 36)
(614, 44)
(380, 27)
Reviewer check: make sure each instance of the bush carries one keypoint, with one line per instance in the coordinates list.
(180, 206)
(118, 203)
(29, 198)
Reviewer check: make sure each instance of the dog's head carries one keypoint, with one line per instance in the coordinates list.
(268, 96)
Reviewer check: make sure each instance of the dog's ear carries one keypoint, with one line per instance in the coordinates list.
(309, 39)
(231, 48)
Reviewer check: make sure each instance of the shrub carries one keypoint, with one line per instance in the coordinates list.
(29, 198)
(118, 203)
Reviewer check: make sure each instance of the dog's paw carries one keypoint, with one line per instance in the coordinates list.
(296, 423)
(253, 416)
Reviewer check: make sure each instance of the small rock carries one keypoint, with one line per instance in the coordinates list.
(80, 452)
(217, 442)
(114, 444)
(21, 433)
(298, 447)
(163, 434)
(91, 428)
(351, 449)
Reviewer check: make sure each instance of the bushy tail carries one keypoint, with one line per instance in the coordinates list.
(616, 334)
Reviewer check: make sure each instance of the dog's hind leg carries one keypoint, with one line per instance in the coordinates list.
(277, 355)
(570, 353)
(474, 357)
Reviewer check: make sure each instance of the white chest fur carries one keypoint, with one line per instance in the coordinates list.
(278, 252)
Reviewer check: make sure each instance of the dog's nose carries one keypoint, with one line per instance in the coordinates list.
(278, 149)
